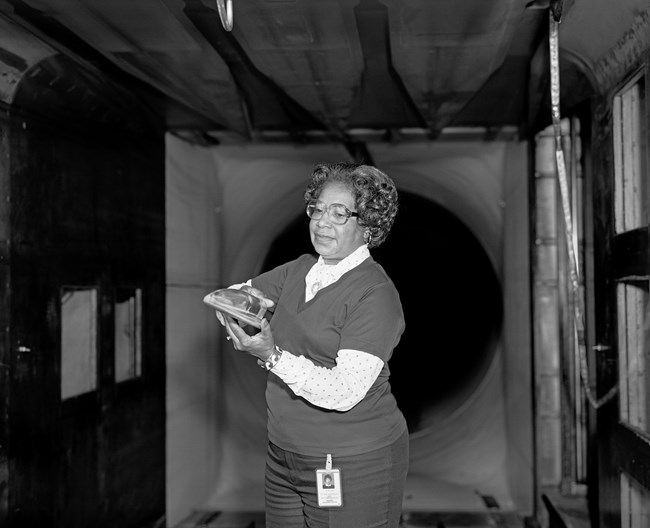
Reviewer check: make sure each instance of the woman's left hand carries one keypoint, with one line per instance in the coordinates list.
(260, 345)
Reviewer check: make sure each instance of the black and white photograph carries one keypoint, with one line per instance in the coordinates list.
(328, 481)
(324, 264)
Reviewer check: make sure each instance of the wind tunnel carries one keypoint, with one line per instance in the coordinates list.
(446, 281)
(458, 256)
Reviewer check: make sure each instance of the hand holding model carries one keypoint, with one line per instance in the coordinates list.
(260, 345)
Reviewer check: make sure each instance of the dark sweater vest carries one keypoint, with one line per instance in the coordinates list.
(360, 311)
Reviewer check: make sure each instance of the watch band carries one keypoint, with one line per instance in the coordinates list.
(272, 360)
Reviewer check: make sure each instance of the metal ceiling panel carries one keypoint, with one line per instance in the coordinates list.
(298, 66)
(148, 42)
(309, 48)
(121, 26)
(445, 51)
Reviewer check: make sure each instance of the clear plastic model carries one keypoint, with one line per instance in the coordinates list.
(239, 304)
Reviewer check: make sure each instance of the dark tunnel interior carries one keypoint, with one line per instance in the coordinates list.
(451, 298)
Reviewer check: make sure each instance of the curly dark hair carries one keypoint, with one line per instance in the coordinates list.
(375, 195)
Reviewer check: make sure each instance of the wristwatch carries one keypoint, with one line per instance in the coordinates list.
(272, 360)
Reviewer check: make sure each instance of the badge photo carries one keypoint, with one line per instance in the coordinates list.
(328, 487)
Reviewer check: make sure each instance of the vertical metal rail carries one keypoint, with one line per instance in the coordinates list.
(578, 301)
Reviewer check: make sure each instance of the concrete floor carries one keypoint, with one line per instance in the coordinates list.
(487, 519)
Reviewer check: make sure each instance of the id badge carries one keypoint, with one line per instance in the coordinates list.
(328, 486)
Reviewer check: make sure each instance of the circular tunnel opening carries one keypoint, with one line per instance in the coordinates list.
(452, 304)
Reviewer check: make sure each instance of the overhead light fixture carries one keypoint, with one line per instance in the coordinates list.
(225, 13)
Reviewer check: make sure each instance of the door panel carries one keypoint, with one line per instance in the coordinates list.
(87, 212)
(621, 205)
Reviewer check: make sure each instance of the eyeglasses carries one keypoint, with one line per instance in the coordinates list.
(338, 213)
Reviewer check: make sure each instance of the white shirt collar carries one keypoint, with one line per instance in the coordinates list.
(322, 275)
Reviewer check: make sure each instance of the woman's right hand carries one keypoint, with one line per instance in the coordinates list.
(260, 345)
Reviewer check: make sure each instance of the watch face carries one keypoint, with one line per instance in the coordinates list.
(240, 305)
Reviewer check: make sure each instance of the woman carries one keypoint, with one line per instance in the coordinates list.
(335, 321)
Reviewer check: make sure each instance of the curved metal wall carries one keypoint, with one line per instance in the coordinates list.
(462, 450)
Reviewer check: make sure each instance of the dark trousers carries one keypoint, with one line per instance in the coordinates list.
(372, 484)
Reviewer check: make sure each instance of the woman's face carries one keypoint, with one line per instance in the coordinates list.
(335, 242)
